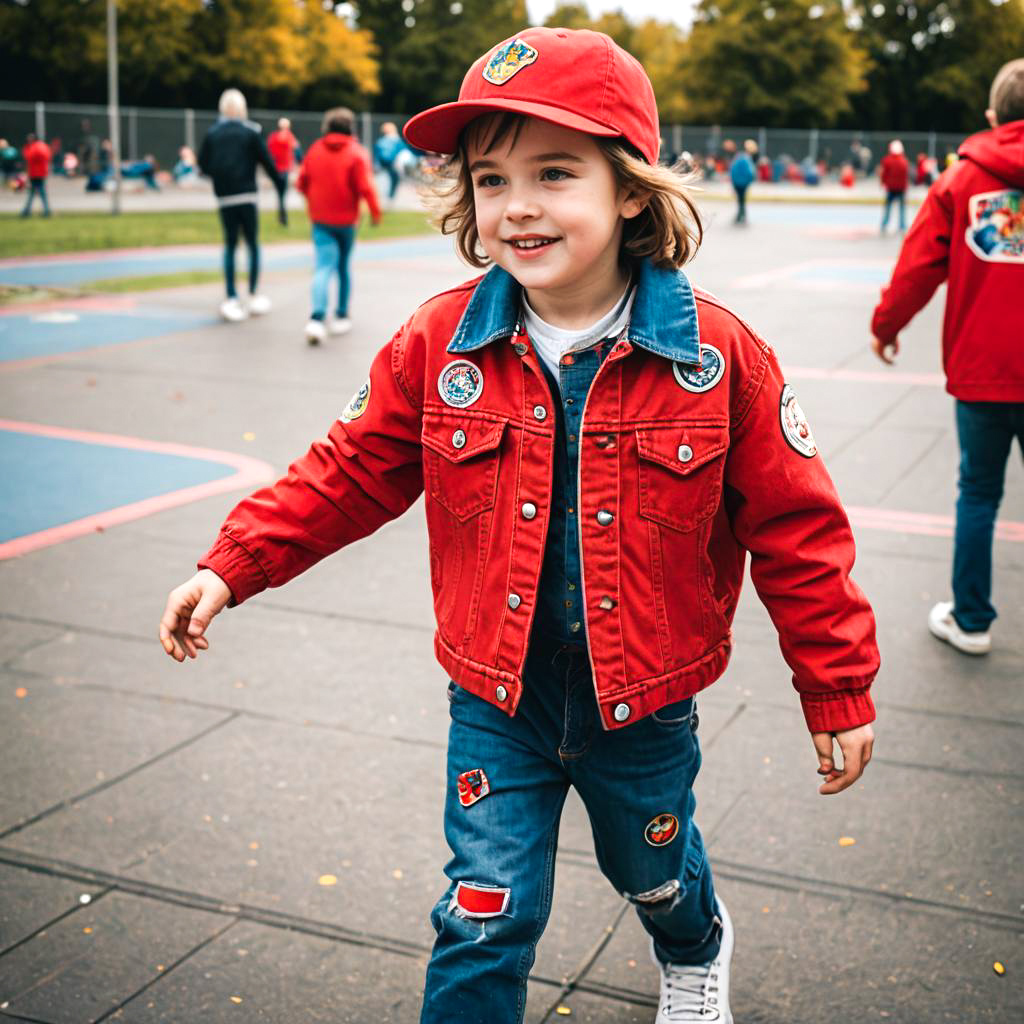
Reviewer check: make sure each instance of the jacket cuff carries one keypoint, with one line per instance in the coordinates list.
(236, 567)
(838, 711)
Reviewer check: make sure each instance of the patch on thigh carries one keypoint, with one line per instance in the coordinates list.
(473, 786)
(477, 901)
(660, 831)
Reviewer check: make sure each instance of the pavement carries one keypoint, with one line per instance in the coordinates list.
(256, 836)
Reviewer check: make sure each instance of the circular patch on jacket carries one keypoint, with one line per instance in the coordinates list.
(356, 408)
(795, 428)
(703, 377)
(662, 830)
(460, 384)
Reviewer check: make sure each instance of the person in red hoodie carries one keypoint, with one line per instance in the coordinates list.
(894, 172)
(283, 147)
(334, 177)
(971, 231)
(36, 155)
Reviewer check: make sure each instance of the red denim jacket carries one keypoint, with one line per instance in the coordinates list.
(694, 452)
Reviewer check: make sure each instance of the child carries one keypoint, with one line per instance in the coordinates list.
(971, 229)
(600, 446)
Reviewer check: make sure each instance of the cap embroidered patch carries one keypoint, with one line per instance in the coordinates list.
(703, 377)
(507, 61)
(662, 830)
(461, 383)
(473, 786)
(356, 408)
(795, 428)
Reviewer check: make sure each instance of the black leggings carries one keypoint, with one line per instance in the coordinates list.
(242, 218)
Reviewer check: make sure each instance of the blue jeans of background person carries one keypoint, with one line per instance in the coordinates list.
(243, 219)
(895, 197)
(393, 179)
(37, 186)
(332, 250)
(986, 431)
(626, 778)
(741, 203)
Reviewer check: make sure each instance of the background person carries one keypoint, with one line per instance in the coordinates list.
(229, 155)
(8, 161)
(334, 177)
(284, 150)
(971, 230)
(36, 155)
(742, 174)
(391, 154)
(894, 173)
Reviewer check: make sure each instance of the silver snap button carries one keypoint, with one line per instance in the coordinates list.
(605, 518)
(607, 603)
(529, 510)
(621, 712)
(500, 692)
(459, 439)
(685, 453)
(520, 349)
(576, 627)
(539, 412)
(514, 601)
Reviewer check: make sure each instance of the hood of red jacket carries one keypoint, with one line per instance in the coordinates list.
(335, 141)
(1000, 151)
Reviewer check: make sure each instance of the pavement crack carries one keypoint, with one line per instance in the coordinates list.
(114, 780)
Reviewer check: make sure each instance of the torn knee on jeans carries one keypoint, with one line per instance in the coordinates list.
(477, 902)
(659, 900)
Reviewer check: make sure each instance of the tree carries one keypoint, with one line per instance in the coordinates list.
(792, 63)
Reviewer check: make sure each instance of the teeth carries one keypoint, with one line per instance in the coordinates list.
(531, 243)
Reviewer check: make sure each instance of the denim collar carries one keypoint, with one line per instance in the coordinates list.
(664, 318)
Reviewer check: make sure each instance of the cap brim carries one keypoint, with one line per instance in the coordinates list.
(437, 130)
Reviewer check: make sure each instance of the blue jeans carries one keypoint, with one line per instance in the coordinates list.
(332, 250)
(242, 219)
(37, 186)
(986, 431)
(900, 199)
(636, 784)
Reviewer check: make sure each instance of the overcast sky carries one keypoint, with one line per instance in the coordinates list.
(680, 11)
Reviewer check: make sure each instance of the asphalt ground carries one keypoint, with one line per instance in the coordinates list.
(256, 836)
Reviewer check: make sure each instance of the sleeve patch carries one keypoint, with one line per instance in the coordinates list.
(358, 405)
(795, 428)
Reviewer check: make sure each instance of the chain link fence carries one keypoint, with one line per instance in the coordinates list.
(160, 133)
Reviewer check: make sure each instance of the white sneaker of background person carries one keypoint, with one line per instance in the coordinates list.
(340, 325)
(698, 995)
(259, 304)
(232, 310)
(945, 627)
(316, 331)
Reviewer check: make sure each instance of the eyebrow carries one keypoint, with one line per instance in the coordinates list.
(541, 158)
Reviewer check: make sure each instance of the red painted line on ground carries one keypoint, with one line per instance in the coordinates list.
(896, 521)
(786, 273)
(930, 380)
(248, 472)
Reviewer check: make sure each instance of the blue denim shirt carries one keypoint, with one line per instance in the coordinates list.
(664, 321)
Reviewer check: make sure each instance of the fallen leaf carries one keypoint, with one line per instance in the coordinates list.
(21, 693)
(998, 968)
(248, 436)
(846, 840)
(87, 931)
(254, 845)
(236, 999)
(397, 873)
(328, 880)
(563, 1011)
(766, 910)
(631, 963)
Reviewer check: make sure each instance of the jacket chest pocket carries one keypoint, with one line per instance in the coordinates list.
(460, 462)
(680, 473)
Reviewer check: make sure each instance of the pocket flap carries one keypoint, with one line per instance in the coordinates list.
(682, 449)
(458, 442)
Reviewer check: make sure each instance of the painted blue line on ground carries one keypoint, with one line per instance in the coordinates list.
(47, 482)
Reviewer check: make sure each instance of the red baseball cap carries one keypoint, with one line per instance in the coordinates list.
(575, 78)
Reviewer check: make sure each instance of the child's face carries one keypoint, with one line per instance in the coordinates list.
(548, 211)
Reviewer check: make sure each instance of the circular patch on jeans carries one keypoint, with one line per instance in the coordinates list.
(662, 830)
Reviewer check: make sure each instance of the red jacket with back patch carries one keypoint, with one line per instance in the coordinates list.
(334, 176)
(971, 230)
(685, 468)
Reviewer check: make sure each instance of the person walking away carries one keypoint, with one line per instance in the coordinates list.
(334, 178)
(742, 174)
(8, 161)
(894, 173)
(970, 231)
(36, 155)
(284, 150)
(229, 155)
(601, 443)
(391, 154)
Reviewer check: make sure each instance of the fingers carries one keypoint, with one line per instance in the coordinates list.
(856, 746)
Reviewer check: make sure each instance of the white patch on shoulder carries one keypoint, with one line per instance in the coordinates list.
(703, 377)
(460, 383)
(795, 428)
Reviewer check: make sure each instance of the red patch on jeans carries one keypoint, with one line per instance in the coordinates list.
(662, 830)
(476, 900)
(473, 786)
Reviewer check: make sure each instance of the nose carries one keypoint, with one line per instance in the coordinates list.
(521, 206)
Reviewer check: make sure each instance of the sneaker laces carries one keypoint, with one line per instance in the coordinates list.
(692, 993)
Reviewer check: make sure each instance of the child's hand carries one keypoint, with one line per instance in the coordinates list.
(190, 609)
(855, 745)
(886, 351)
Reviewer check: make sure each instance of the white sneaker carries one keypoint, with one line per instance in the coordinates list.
(945, 627)
(259, 304)
(316, 331)
(232, 311)
(698, 995)
(341, 325)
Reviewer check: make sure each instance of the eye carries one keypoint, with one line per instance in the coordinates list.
(554, 174)
(488, 181)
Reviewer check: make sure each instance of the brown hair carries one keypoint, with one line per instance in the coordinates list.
(668, 231)
(338, 119)
(1007, 95)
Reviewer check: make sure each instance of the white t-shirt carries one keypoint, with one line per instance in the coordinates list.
(553, 342)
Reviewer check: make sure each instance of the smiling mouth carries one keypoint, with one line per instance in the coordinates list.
(530, 243)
